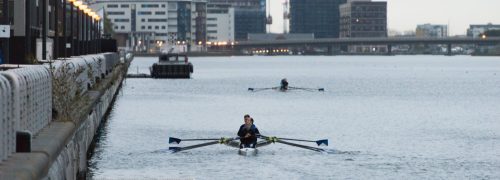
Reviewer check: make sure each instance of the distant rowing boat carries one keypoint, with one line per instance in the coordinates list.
(278, 88)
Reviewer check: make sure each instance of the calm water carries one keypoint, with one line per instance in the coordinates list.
(398, 117)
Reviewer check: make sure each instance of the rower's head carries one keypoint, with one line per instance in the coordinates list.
(248, 119)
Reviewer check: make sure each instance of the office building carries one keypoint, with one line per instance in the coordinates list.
(150, 24)
(320, 17)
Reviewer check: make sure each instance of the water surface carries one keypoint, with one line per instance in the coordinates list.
(397, 117)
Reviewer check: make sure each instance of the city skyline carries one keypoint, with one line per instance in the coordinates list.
(405, 15)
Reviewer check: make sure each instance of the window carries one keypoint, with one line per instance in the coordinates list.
(143, 27)
(112, 5)
(212, 31)
(157, 20)
(157, 27)
(143, 20)
(149, 5)
(211, 25)
(149, 27)
(162, 27)
(211, 19)
(144, 12)
(125, 5)
(161, 34)
(121, 20)
(160, 13)
(163, 5)
(116, 13)
(116, 27)
(123, 27)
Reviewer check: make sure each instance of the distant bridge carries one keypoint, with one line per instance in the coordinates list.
(337, 42)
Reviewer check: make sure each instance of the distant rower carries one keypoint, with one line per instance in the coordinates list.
(284, 84)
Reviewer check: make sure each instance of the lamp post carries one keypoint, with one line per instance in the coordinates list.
(88, 30)
(64, 29)
(44, 29)
(56, 29)
(82, 28)
(71, 28)
(76, 42)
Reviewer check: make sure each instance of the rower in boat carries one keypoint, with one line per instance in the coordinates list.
(284, 85)
(247, 144)
(248, 133)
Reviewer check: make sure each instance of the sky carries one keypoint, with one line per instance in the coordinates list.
(404, 15)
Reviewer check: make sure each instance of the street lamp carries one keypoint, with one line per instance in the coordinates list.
(77, 3)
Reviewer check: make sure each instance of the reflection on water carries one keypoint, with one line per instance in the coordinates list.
(386, 117)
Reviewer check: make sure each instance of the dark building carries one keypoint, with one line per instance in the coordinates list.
(363, 18)
(320, 17)
(249, 16)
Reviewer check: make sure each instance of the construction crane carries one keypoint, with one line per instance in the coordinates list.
(269, 18)
(286, 16)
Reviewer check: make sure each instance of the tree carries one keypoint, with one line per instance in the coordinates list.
(108, 28)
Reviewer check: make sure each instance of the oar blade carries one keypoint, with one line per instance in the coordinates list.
(323, 142)
(301, 146)
(321, 89)
(174, 149)
(173, 140)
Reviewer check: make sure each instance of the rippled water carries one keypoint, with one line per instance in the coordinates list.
(397, 117)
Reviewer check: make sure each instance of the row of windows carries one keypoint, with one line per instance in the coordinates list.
(157, 20)
(369, 8)
(116, 6)
(116, 13)
(370, 15)
(122, 20)
(142, 5)
(151, 27)
(152, 5)
(150, 13)
(217, 11)
(142, 20)
(367, 28)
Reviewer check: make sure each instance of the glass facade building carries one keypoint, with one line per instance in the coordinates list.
(250, 16)
(248, 21)
(320, 17)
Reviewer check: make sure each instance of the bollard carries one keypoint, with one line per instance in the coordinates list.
(23, 141)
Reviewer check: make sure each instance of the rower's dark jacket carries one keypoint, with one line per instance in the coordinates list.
(254, 132)
(284, 84)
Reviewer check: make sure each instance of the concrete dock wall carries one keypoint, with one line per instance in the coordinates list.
(59, 146)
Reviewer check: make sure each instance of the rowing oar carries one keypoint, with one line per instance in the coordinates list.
(301, 146)
(218, 141)
(278, 140)
(322, 142)
(261, 89)
(308, 89)
(173, 140)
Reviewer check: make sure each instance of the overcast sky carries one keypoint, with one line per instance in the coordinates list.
(406, 14)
